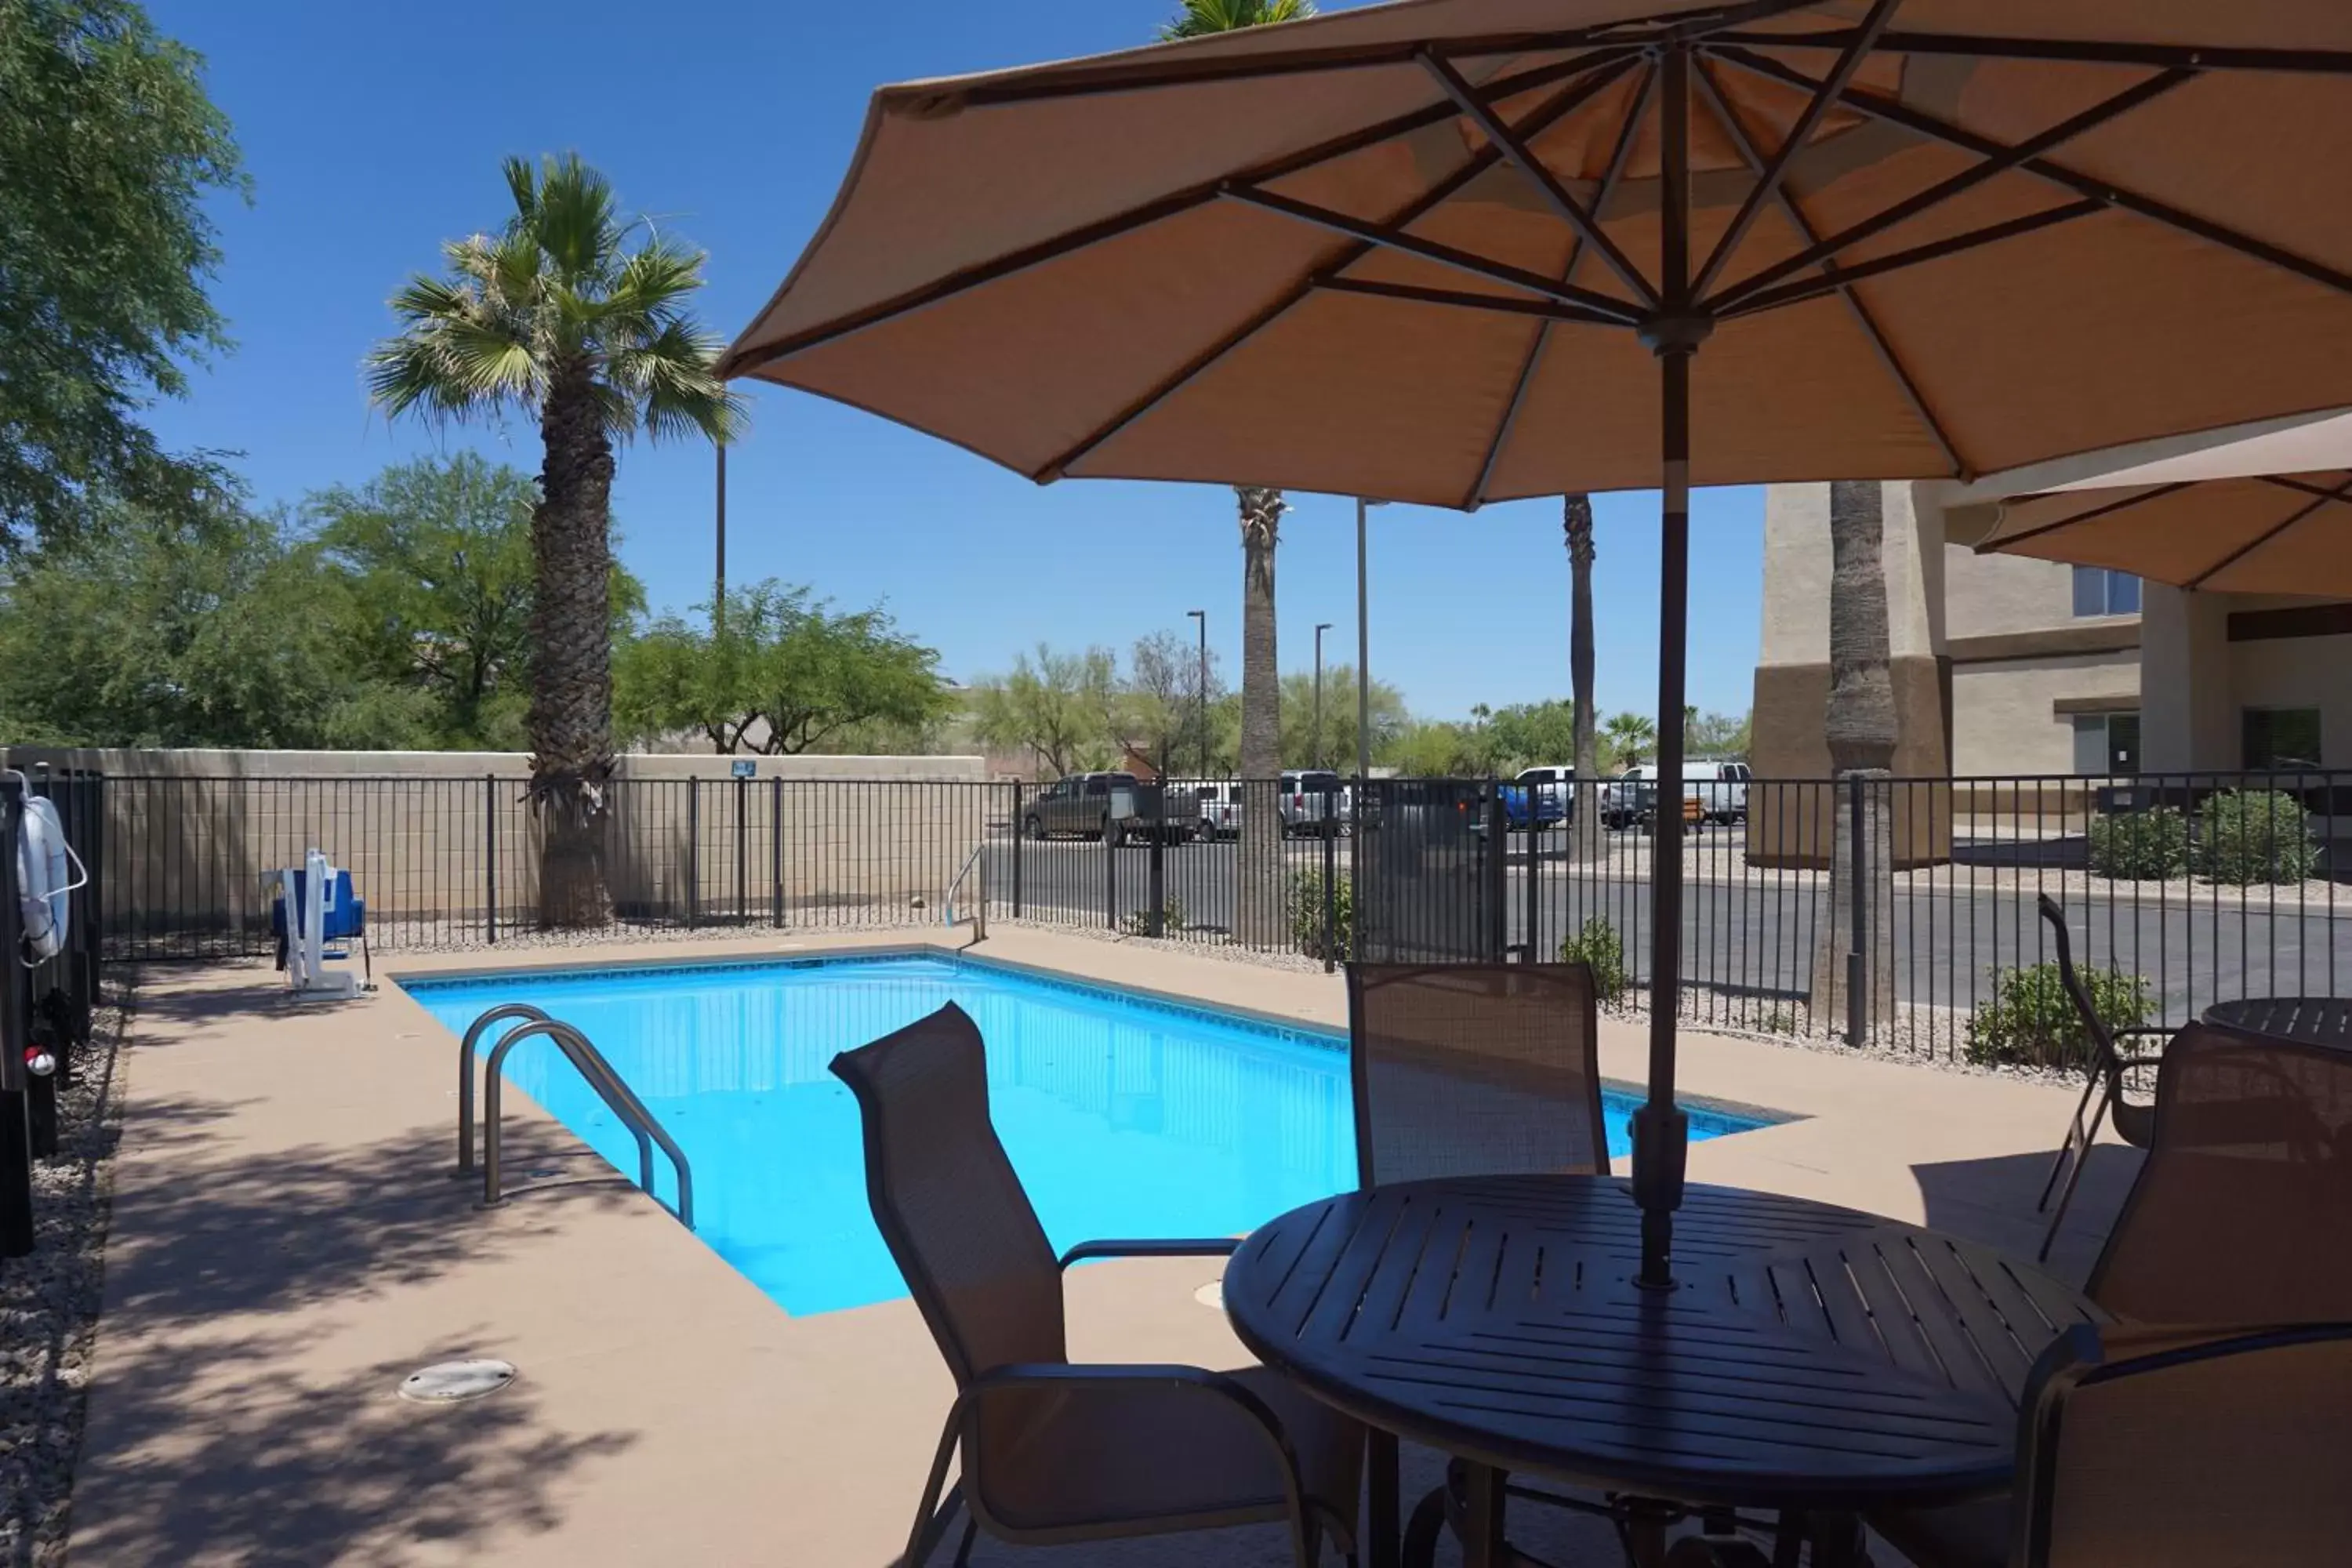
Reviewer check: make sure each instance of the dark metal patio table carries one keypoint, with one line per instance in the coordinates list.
(2307, 1020)
(1809, 1358)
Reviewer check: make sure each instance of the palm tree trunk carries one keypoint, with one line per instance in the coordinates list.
(1584, 834)
(570, 720)
(1860, 726)
(1259, 893)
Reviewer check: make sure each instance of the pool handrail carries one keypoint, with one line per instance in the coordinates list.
(617, 1095)
(980, 907)
(498, 1014)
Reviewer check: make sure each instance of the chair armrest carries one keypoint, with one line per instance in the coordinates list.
(1112, 1380)
(1160, 1246)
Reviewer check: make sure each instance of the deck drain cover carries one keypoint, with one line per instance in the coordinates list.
(1213, 1294)
(450, 1382)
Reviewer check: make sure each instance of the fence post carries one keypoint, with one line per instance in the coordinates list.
(1857, 959)
(776, 850)
(742, 848)
(1531, 951)
(1111, 874)
(16, 1133)
(693, 851)
(1330, 875)
(1157, 918)
(490, 858)
(1496, 900)
(1020, 848)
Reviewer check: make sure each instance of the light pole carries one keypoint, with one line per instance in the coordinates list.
(1202, 616)
(1320, 627)
(1363, 655)
(719, 576)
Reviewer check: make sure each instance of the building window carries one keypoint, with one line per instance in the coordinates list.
(2100, 592)
(2281, 738)
(2106, 745)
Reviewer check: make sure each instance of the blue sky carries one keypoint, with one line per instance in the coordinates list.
(372, 133)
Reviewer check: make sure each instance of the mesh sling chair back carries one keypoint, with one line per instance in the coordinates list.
(2241, 1211)
(2104, 1095)
(1470, 1070)
(2224, 1448)
(1052, 1452)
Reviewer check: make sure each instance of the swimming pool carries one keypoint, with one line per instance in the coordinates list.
(1124, 1115)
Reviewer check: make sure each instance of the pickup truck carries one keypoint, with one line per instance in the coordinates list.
(1315, 801)
(1718, 789)
(1111, 807)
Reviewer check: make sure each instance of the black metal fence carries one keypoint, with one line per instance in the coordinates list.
(50, 977)
(1899, 910)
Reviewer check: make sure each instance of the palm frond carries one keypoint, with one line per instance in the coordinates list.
(574, 222)
(670, 380)
(652, 280)
(1199, 18)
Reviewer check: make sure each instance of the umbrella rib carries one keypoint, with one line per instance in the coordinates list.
(2108, 509)
(2057, 174)
(1587, 224)
(2303, 486)
(978, 274)
(1393, 238)
(1770, 176)
(2240, 553)
(1635, 114)
(1861, 314)
(2070, 51)
(1496, 304)
(1901, 260)
(1560, 103)
(1944, 190)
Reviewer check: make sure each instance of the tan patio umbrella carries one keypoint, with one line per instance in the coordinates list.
(1453, 251)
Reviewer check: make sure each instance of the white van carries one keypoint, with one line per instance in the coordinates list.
(1720, 788)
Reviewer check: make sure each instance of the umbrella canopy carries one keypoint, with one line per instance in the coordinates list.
(2269, 514)
(2276, 533)
(1454, 251)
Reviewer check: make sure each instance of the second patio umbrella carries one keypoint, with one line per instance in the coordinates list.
(1454, 251)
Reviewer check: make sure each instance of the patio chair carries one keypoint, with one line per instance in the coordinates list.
(2104, 1086)
(2249, 1167)
(2237, 1215)
(1052, 1452)
(2226, 1448)
(1467, 1069)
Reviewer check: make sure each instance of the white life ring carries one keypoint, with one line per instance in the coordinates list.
(46, 864)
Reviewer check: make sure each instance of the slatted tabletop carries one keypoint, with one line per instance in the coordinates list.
(2307, 1020)
(1810, 1356)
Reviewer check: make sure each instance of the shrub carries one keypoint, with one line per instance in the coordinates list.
(1306, 910)
(2140, 846)
(2249, 837)
(2031, 1022)
(1599, 945)
(1172, 920)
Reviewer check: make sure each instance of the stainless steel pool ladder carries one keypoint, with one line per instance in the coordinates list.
(980, 905)
(598, 1073)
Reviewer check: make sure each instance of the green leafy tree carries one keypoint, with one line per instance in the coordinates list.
(1163, 709)
(179, 633)
(778, 672)
(432, 558)
(1338, 748)
(576, 318)
(1259, 903)
(1716, 734)
(1527, 734)
(107, 149)
(1435, 749)
(1057, 707)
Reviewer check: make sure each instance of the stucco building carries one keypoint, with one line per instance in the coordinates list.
(2005, 665)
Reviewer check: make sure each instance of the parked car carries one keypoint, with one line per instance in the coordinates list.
(1221, 810)
(1314, 800)
(1552, 790)
(1111, 807)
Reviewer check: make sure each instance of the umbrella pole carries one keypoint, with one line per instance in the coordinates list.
(1660, 1133)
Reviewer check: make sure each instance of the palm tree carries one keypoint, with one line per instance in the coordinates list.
(1259, 912)
(1863, 732)
(1576, 524)
(561, 317)
(1631, 736)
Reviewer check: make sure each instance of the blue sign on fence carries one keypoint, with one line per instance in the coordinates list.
(742, 767)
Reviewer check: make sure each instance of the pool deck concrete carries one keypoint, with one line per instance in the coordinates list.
(287, 1243)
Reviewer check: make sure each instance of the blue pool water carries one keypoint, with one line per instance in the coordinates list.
(1125, 1116)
